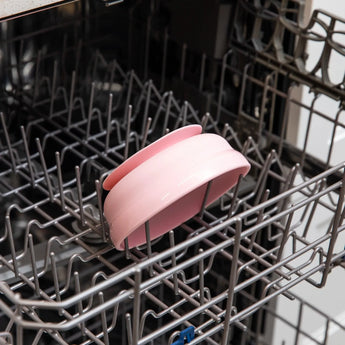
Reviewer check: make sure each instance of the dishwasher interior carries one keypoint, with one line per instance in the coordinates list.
(85, 86)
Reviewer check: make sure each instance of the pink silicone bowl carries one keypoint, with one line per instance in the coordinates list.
(169, 187)
(148, 152)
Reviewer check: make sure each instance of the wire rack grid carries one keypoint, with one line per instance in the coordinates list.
(62, 280)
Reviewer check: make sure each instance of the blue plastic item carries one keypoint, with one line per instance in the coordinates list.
(187, 334)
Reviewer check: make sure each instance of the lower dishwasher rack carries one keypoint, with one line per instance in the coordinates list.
(212, 280)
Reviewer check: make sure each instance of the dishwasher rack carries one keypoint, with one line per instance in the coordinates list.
(62, 282)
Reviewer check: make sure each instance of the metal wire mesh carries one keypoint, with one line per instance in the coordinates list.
(63, 282)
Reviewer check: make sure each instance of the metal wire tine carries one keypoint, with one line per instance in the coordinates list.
(334, 231)
(71, 99)
(148, 244)
(184, 113)
(245, 337)
(201, 279)
(8, 143)
(204, 201)
(129, 93)
(60, 181)
(33, 264)
(107, 137)
(202, 72)
(234, 197)
(183, 60)
(247, 145)
(55, 277)
(129, 328)
(173, 261)
(288, 184)
(89, 115)
(260, 217)
(342, 217)
(167, 130)
(286, 233)
(80, 196)
(204, 121)
(19, 332)
(294, 242)
(308, 128)
(167, 113)
(136, 306)
(232, 282)
(27, 154)
(12, 247)
(146, 132)
(103, 319)
(38, 336)
(45, 170)
(263, 107)
(313, 209)
(147, 105)
(80, 303)
(127, 252)
(234, 136)
(241, 326)
(52, 96)
(333, 136)
(225, 130)
(100, 210)
(128, 131)
(285, 119)
(263, 176)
